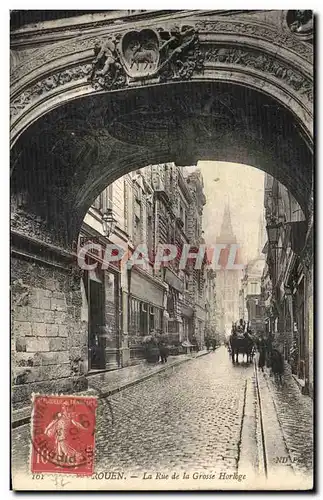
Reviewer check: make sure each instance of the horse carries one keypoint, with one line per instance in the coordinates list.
(241, 344)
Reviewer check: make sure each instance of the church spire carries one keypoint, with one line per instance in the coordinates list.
(226, 227)
(226, 233)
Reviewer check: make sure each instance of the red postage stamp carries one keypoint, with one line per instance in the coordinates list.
(63, 434)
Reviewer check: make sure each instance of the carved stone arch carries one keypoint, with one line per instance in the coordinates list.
(250, 53)
(217, 54)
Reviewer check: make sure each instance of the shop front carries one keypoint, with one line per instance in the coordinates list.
(187, 313)
(146, 311)
(175, 323)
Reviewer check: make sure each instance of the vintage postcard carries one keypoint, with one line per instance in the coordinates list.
(162, 220)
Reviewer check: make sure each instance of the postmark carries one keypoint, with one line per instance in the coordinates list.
(63, 434)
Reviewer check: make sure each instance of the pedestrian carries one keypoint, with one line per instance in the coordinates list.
(214, 344)
(163, 349)
(277, 365)
(269, 347)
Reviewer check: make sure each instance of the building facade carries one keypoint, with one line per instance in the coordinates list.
(287, 285)
(53, 81)
(227, 279)
(211, 324)
(251, 306)
(156, 205)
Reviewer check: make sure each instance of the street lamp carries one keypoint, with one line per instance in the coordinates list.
(273, 233)
(108, 222)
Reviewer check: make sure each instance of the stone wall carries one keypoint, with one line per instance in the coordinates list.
(48, 337)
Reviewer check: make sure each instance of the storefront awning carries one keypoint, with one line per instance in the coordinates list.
(187, 311)
(173, 280)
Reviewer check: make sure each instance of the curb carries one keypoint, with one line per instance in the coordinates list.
(105, 394)
(26, 411)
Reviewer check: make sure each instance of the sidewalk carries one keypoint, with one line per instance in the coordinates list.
(108, 383)
(295, 417)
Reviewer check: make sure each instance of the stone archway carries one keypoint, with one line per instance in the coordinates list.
(232, 88)
(231, 62)
(88, 143)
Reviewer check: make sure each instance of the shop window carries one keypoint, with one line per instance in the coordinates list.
(135, 317)
(151, 319)
(144, 319)
(158, 319)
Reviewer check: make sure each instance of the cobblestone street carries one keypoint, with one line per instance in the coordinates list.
(193, 417)
(187, 417)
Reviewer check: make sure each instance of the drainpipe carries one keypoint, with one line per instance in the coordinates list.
(156, 229)
(129, 299)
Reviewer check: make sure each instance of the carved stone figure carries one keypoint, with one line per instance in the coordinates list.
(177, 59)
(300, 21)
(106, 68)
(147, 53)
(105, 56)
(139, 52)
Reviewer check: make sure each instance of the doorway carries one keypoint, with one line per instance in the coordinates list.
(94, 286)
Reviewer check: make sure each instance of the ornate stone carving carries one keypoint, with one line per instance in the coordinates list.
(278, 37)
(107, 71)
(262, 62)
(183, 54)
(300, 22)
(308, 252)
(140, 52)
(58, 50)
(46, 85)
(165, 55)
(169, 54)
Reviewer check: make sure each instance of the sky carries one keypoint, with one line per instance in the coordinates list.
(242, 187)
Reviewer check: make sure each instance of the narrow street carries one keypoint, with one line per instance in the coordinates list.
(201, 416)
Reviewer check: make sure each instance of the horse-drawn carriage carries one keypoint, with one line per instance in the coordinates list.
(241, 341)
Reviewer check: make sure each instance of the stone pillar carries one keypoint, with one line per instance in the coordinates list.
(125, 351)
(48, 333)
(310, 302)
(307, 259)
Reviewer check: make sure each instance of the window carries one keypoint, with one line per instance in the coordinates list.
(154, 319)
(158, 318)
(150, 235)
(137, 209)
(125, 204)
(109, 197)
(144, 319)
(135, 317)
(105, 199)
(98, 202)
